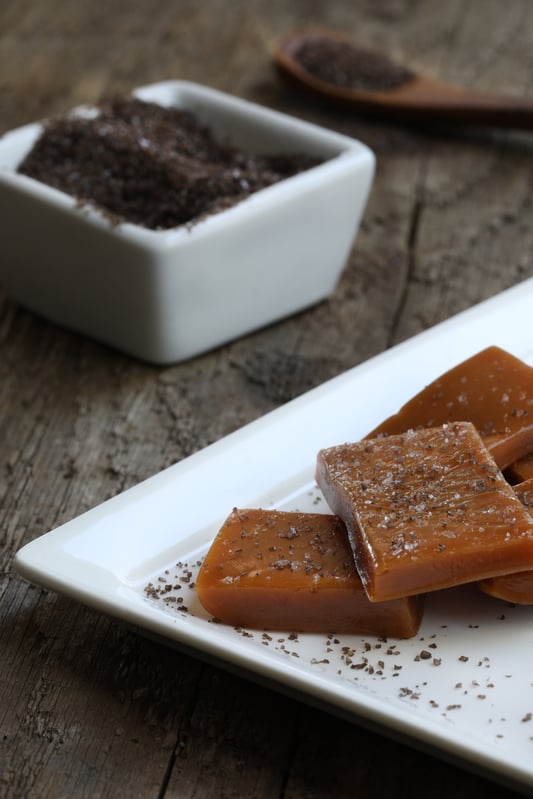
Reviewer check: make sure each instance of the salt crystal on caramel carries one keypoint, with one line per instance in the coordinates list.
(294, 571)
(425, 510)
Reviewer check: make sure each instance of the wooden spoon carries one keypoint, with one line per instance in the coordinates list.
(407, 95)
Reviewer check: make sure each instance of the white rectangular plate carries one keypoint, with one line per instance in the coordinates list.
(463, 686)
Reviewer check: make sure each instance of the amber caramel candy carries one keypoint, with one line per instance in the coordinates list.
(425, 510)
(516, 588)
(521, 470)
(276, 570)
(524, 492)
(492, 389)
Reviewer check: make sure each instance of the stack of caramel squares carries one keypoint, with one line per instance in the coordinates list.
(435, 497)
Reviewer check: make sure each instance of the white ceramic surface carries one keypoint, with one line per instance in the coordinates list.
(168, 295)
(463, 686)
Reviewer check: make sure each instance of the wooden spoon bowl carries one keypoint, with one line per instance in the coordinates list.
(417, 97)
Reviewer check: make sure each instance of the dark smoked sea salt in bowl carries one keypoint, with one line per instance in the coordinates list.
(168, 230)
(152, 166)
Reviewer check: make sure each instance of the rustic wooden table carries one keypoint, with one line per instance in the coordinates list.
(89, 709)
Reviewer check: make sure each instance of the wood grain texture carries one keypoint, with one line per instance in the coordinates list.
(90, 709)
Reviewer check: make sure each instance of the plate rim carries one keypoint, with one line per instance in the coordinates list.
(29, 561)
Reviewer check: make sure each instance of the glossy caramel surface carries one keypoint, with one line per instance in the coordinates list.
(426, 509)
(516, 588)
(521, 470)
(492, 389)
(294, 571)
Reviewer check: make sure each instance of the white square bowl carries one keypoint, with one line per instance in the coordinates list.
(164, 296)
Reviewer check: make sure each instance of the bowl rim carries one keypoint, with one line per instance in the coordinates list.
(349, 150)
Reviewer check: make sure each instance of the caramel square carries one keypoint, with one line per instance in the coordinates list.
(276, 570)
(425, 510)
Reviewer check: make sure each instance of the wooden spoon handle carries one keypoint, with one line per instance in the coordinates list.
(427, 99)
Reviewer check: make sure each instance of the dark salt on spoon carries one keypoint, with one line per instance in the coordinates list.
(340, 63)
(329, 66)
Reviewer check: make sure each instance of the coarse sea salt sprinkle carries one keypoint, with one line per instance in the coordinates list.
(442, 670)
